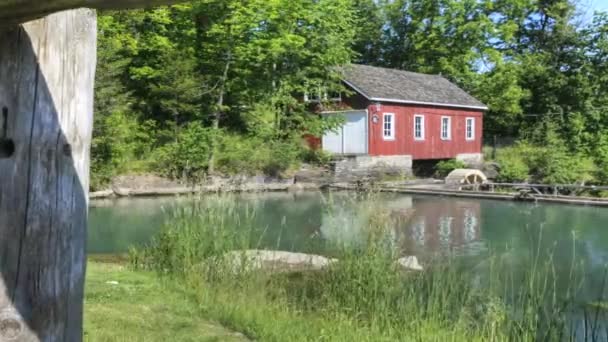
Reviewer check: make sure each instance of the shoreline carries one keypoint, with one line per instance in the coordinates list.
(261, 184)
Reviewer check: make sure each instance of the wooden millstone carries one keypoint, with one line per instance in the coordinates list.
(47, 73)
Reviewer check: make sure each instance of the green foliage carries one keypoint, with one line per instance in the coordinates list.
(250, 155)
(444, 167)
(240, 68)
(513, 166)
(188, 156)
(316, 156)
(120, 140)
(220, 81)
(544, 164)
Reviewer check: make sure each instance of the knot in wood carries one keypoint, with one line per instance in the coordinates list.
(11, 325)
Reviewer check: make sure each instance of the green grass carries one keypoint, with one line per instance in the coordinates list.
(125, 305)
(173, 289)
(365, 296)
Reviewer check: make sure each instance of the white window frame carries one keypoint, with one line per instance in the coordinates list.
(448, 135)
(466, 129)
(422, 129)
(391, 128)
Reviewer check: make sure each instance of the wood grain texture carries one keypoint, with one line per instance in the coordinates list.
(47, 70)
(19, 11)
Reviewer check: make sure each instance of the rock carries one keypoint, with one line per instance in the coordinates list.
(314, 176)
(276, 261)
(101, 194)
(298, 187)
(491, 170)
(144, 182)
(410, 263)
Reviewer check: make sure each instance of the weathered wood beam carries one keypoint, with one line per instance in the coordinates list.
(47, 71)
(19, 11)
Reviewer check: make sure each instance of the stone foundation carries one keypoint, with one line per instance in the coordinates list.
(474, 160)
(357, 168)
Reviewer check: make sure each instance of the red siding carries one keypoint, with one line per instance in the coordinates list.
(432, 147)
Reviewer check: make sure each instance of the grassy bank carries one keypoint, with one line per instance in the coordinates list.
(365, 296)
(126, 305)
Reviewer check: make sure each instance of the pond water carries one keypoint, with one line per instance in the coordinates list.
(464, 226)
(472, 229)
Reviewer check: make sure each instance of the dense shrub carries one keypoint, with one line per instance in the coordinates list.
(444, 167)
(189, 155)
(559, 167)
(118, 143)
(551, 164)
(316, 156)
(239, 154)
(601, 157)
(513, 166)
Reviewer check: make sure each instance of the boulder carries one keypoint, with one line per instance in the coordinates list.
(276, 261)
(410, 263)
(491, 170)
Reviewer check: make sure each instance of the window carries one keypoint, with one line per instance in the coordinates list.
(446, 128)
(321, 95)
(470, 134)
(389, 126)
(313, 97)
(419, 127)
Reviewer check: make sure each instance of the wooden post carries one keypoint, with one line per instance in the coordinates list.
(47, 72)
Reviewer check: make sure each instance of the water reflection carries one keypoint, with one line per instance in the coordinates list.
(433, 225)
(423, 226)
(444, 225)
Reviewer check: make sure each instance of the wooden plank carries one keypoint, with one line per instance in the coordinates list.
(18, 11)
(550, 186)
(47, 72)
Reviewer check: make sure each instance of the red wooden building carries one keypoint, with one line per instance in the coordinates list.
(397, 117)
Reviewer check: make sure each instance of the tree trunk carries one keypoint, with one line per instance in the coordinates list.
(47, 72)
(215, 123)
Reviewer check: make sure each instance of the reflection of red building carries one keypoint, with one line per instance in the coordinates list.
(443, 225)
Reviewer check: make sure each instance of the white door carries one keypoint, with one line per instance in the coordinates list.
(332, 141)
(355, 133)
(350, 138)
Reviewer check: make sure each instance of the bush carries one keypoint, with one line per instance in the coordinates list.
(250, 155)
(513, 167)
(552, 164)
(560, 167)
(187, 157)
(316, 156)
(601, 157)
(444, 167)
(118, 142)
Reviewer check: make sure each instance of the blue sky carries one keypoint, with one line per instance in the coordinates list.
(600, 5)
(587, 7)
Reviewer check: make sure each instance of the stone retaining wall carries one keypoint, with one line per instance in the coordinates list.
(371, 167)
(474, 160)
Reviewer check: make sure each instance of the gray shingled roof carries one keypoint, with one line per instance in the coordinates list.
(391, 85)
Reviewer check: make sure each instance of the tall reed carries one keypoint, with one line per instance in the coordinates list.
(366, 295)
